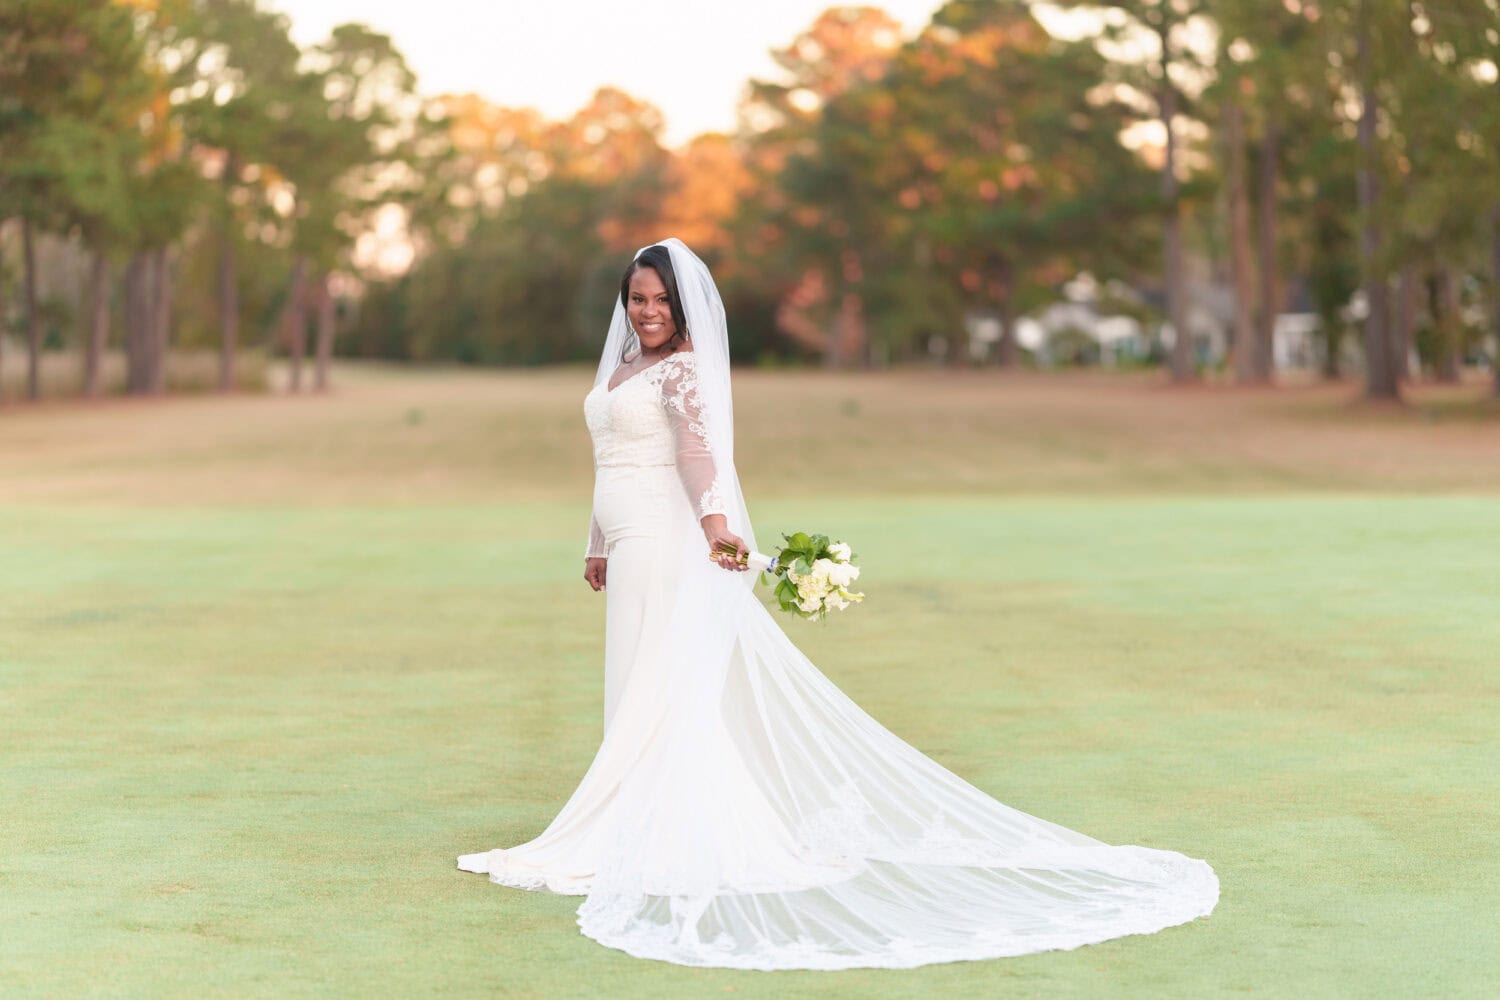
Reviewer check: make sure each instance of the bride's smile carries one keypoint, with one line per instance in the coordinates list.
(650, 310)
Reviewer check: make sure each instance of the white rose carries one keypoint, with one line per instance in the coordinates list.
(842, 574)
(841, 552)
(836, 602)
(810, 604)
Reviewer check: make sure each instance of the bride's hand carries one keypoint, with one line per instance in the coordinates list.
(593, 572)
(716, 530)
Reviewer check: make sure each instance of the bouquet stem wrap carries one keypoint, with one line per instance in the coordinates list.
(813, 575)
(762, 563)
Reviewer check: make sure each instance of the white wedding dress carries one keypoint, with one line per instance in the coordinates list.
(741, 811)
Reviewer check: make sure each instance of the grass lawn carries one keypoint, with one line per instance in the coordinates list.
(267, 665)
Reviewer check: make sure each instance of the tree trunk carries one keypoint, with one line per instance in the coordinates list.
(1495, 291)
(3, 316)
(160, 325)
(1449, 324)
(98, 324)
(1333, 339)
(229, 291)
(1005, 280)
(852, 335)
(294, 321)
(833, 347)
(147, 336)
(1270, 275)
(326, 328)
(1380, 374)
(1403, 330)
(855, 347)
(151, 283)
(33, 316)
(136, 321)
(228, 312)
(1239, 242)
(1177, 310)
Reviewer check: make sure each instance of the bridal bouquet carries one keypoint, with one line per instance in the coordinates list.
(812, 574)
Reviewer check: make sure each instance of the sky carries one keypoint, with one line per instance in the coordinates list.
(690, 58)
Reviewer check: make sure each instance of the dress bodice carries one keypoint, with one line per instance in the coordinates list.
(629, 423)
(655, 418)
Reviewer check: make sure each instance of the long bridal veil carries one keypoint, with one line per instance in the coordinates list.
(766, 822)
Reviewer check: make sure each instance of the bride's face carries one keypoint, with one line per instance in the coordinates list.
(650, 309)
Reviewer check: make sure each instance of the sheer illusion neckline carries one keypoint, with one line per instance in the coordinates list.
(655, 364)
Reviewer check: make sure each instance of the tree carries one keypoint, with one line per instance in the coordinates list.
(1163, 28)
(1421, 75)
(525, 276)
(1267, 72)
(237, 66)
(344, 149)
(980, 169)
(70, 80)
(163, 194)
(1443, 122)
(1237, 192)
(1015, 170)
(811, 217)
(97, 162)
(708, 181)
(486, 154)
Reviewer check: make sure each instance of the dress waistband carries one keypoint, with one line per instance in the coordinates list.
(636, 465)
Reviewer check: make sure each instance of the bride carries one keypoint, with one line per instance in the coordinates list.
(741, 811)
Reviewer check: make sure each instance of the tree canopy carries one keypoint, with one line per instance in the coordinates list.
(879, 197)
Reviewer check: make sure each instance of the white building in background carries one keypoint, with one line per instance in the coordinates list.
(1295, 343)
(1086, 326)
(1098, 324)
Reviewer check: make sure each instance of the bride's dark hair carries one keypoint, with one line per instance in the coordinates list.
(659, 259)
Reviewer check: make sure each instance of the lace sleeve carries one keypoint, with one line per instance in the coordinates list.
(595, 548)
(695, 463)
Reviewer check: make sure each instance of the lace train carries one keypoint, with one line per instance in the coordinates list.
(800, 834)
